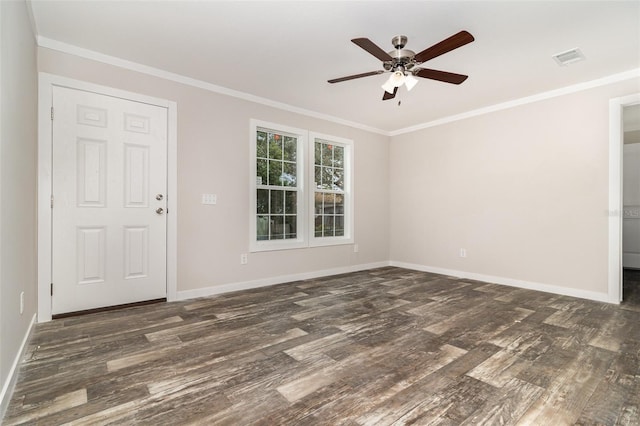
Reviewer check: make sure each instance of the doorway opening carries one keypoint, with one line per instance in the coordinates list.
(631, 205)
(616, 211)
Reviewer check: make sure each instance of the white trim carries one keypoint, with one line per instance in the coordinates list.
(156, 72)
(9, 379)
(614, 78)
(246, 285)
(172, 201)
(529, 285)
(616, 141)
(10, 383)
(305, 188)
(349, 160)
(45, 97)
(45, 154)
(265, 282)
(32, 20)
(301, 238)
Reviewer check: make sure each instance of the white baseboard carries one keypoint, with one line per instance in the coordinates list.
(245, 285)
(547, 288)
(10, 382)
(529, 285)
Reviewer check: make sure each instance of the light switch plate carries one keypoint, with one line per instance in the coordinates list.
(209, 199)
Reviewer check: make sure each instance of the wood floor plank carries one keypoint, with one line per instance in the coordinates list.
(617, 398)
(506, 407)
(568, 395)
(382, 346)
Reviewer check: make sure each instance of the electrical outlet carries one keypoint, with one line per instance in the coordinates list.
(244, 259)
(356, 248)
(463, 252)
(209, 199)
(21, 302)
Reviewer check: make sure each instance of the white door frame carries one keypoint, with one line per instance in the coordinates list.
(616, 140)
(45, 144)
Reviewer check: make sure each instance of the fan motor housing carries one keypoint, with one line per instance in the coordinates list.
(401, 57)
(399, 41)
(401, 54)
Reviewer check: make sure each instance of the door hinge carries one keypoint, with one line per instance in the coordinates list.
(52, 289)
(52, 201)
(51, 113)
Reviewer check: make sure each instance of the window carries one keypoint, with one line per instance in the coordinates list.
(280, 207)
(277, 196)
(331, 193)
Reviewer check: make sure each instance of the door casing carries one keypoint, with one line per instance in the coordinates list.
(45, 143)
(616, 139)
(631, 207)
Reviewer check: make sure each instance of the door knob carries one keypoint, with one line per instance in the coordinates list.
(159, 210)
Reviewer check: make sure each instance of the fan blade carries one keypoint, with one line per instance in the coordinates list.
(351, 77)
(447, 77)
(446, 45)
(372, 48)
(388, 95)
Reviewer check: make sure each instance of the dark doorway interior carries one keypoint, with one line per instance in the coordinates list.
(631, 289)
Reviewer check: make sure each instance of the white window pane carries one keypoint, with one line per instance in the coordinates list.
(262, 201)
(262, 228)
(277, 228)
(261, 145)
(275, 146)
(289, 175)
(291, 202)
(290, 149)
(275, 173)
(276, 202)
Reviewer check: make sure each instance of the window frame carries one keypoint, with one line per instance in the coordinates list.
(301, 234)
(347, 192)
(305, 187)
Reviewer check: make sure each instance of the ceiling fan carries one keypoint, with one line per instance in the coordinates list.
(404, 64)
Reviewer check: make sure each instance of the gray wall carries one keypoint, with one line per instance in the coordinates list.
(523, 190)
(213, 157)
(18, 142)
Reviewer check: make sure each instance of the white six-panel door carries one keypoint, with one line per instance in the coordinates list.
(631, 207)
(109, 185)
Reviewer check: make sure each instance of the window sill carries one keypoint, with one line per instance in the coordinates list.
(330, 241)
(258, 246)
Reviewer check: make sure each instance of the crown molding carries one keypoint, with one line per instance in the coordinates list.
(178, 78)
(614, 78)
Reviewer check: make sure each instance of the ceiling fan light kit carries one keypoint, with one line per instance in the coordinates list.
(388, 86)
(404, 64)
(410, 81)
(397, 79)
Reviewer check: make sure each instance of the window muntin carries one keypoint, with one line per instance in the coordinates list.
(276, 185)
(329, 193)
(299, 197)
(331, 200)
(278, 218)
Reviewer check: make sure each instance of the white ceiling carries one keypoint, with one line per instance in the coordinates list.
(286, 51)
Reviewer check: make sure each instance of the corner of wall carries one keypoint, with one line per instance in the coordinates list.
(10, 383)
(18, 165)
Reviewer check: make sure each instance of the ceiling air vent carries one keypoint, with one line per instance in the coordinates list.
(568, 57)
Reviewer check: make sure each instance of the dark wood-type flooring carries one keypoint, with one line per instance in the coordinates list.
(379, 347)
